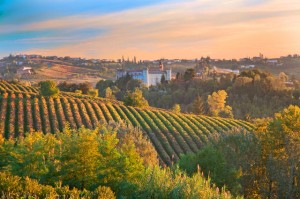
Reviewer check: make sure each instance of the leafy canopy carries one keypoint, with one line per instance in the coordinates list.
(135, 99)
(48, 88)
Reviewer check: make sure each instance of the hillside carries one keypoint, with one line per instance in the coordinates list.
(22, 110)
(59, 71)
(56, 69)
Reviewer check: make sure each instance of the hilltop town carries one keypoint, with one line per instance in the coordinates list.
(34, 68)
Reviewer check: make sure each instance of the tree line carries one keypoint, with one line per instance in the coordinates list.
(251, 94)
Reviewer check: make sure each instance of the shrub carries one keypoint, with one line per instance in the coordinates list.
(135, 99)
(103, 192)
(48, 88)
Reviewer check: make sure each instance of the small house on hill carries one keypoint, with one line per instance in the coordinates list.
(24, 71)
(223, 71)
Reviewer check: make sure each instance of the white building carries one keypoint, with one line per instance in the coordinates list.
(150, 77)
(272, 61)
(24, 70)
(248, 66)
(225, 71)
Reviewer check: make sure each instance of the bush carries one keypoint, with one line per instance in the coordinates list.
(135, 99)
(48, 88)
(103, 192)
(93, 93)
(213, 163)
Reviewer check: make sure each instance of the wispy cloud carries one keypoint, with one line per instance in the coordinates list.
(189, 28)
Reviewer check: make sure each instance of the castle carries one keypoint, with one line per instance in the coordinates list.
(150, 77)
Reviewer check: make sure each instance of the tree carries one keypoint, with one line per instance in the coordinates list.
(72, 87)
(103, 192)
(85, 87)
(122, 82)
(205, 71)
(241, 150)
(176, 108)
(243, 81)
(283, 77)
(178, 75)
(144, 147)
(216, 103)
(226, 112)
(198, 106)
(109, 93)
(213, 163)
(163, 79)
(281, 154)
(120, 166)
(34, 156)
(135, 99)
(79, 157)
(48, 88)
(189, 74)
(102, 85)
(133, 84)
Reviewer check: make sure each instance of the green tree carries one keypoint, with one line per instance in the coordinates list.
(103, 192)
(109, 93)
(226, 112)
(48, 88)
(118, 168)
(189, 74)
(198, 106)
(213, 163)
(281, 154)
(133, 84)
(102, 85)
(34, 156)
(163, 79)
(135, 99)
(144, 147)
(79, 157)
(173, 183)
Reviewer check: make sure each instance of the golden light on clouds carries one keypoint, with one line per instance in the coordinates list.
(188, 29)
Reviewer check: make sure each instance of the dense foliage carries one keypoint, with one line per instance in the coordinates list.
(135, 99)
(91, 163)
(72, 87)
(262, 164)
(48, 88)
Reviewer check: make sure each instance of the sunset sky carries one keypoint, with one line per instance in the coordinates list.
(150, 29)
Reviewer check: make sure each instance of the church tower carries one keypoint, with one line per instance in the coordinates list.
(161, 65)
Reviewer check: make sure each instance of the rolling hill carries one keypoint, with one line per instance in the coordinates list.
(22, 109)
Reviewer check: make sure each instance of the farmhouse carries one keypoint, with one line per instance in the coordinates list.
(24, 70)
(223, 71)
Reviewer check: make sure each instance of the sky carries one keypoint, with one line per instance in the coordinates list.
(150, 29)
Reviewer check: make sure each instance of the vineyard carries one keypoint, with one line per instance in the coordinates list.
(22, 109)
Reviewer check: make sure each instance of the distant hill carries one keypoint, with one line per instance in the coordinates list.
(56, 69)
(22, 109)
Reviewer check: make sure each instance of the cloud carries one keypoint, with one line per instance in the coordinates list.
(187, 29)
